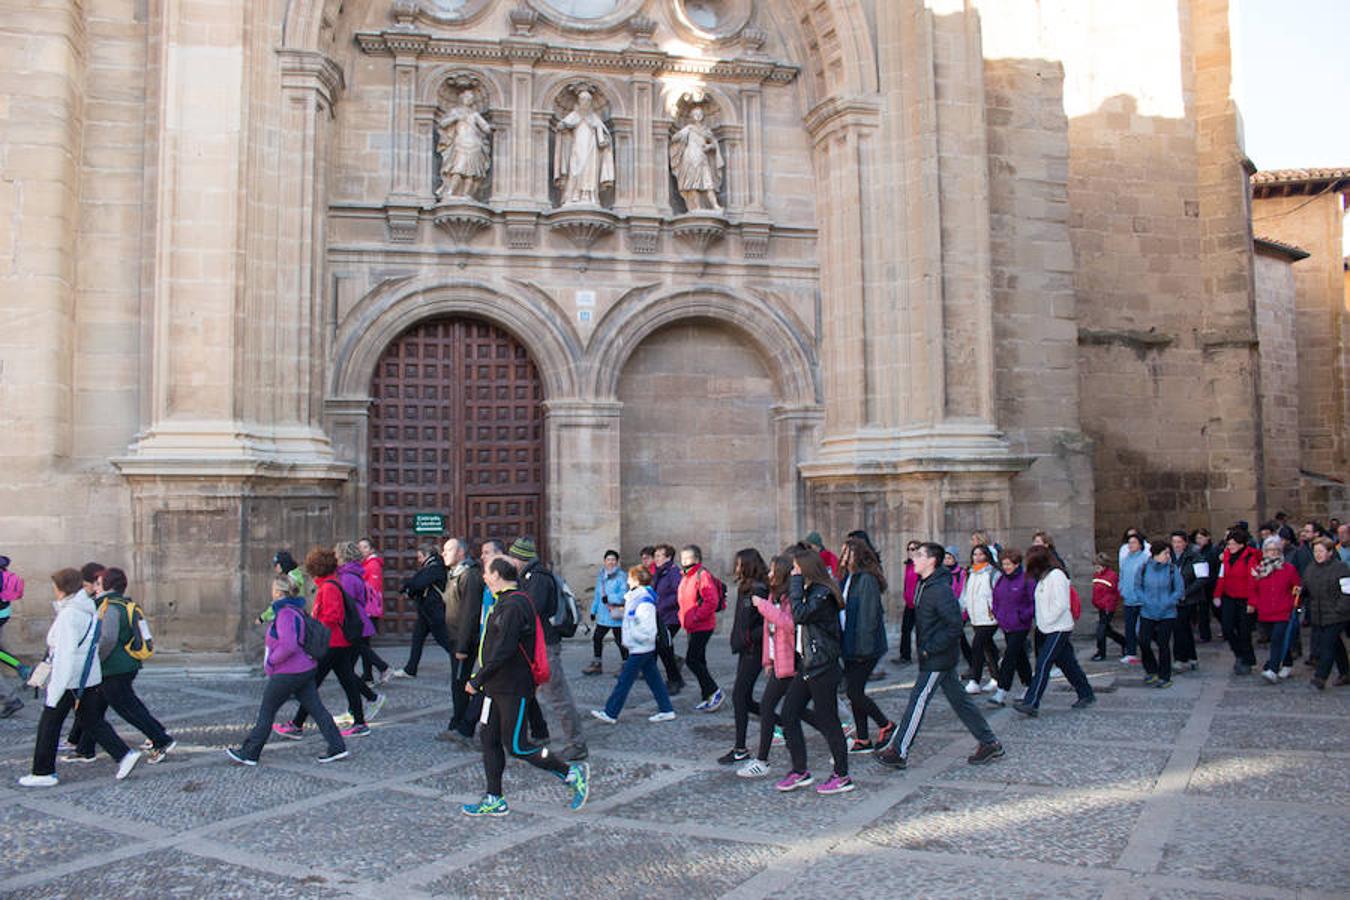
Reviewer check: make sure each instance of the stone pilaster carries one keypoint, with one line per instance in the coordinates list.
(584, 490)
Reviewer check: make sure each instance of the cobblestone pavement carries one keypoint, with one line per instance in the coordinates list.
(1220, 787)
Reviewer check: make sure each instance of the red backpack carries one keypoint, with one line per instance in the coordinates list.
(1075, 603)
(539, 668)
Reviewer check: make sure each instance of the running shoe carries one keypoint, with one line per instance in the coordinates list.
(753, 769)
(1084, 702)
(579, 779)
(972, 687)
(890, 757)
(794, 780)
(385, 677)
(989, 686)
(356, 731)
(985, 753)
(1163, 683)
(1056, 672)
(373, 708)
(849, 729)
(1026, 709)
(1285, 671)
(732, 757)
(1098, 657)
(1151, 680)
(885, 734)
(859, 746)
(838, 784)
(604, 717)
(334, 757)
(595, 668)
(778, 739)
(344, 719)
(490, 805)
(79, 758)
(157, 754)
(39, 781)
(668, 716)
(289, 730)
(127, 763)
(399, 673)
(238, 756)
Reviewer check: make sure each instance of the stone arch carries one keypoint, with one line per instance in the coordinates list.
(305, 21)
(432, 79)
(834, 42)
(393, 308)
(785, 347)
(548, 92)
(728, 109)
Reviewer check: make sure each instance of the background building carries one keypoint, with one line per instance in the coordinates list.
(289, 269)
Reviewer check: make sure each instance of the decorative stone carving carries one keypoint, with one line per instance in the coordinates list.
(697, 163)
(520, 229)
(642, 28)
(465, 147)
(583, 157)
(402, 219)
(523, 20)
(755, 239)
(700, 230)
(461, 218)
(644, 235)
(583, 226)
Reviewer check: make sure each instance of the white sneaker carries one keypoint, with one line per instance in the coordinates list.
(972, 687)
(375, 706)
(398, 673)
(662, 717)
(1055, 672)
(385, 677)
(127, 764)
(604, 716)
(1269, 676)
(1286, 671)
(53, 781)
(989, 685)
(1000, 695)
(753, 769)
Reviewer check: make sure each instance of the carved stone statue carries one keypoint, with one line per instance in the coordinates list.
(697, 162)
(465, 148)
(583, 156)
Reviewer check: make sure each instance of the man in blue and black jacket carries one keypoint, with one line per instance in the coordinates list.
(938, 624)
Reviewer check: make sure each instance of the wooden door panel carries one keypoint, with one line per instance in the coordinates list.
(456, 428)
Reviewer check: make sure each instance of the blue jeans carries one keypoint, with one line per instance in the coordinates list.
(1281, 646)
(636, 664)
(1131, 630)
(1057, 650)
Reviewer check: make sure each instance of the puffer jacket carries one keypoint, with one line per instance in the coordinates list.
(1325, 594)
(1159, 589)
(1273, 595)
(352, 577)
(639, 620)
(747, 625)
(977, 595)
(666, 583)
(1130, 566)
(1015, 602)
(1195, 590)
(816, 615)
(1235, 573)
(607, 604)
(698, 601)
(329, 610)
(864, 617)
(1106, 590)
(69, 643)
(937, 622)
(779, 633)
(372, 569)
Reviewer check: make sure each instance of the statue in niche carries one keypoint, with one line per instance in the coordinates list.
(583, 157)
(697, 162)
(465, 148)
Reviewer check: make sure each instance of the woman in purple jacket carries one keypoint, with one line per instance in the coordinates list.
(1015, 612)
(290, 673)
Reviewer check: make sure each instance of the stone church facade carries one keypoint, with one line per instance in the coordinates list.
(613, 272)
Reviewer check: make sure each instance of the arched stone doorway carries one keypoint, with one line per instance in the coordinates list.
(456, 428)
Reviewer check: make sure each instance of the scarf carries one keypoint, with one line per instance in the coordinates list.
(1269, 565)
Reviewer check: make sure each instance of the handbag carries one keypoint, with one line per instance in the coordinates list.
(40, 675)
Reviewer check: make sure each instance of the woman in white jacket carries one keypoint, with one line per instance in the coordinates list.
(1054, 619)
(72, 646)
(639, 636)
(977, 602)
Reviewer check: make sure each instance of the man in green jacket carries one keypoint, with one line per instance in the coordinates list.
(119, 671)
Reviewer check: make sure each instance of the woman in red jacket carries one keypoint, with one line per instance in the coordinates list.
(321, 564)
(1232, 595)
(1275, 590)
(1106, 598)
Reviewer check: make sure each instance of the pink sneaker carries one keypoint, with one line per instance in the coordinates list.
(794, 780)
(838, 784)
(289, 731)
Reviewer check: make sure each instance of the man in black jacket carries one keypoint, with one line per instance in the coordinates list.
(506, 679)
(426, 589)
(464, 611)
(543, 590)
(937, 617)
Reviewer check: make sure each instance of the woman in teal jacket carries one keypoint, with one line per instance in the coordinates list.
(1159, 587)
(607, 610)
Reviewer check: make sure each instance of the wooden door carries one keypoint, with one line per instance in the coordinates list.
(457, 428)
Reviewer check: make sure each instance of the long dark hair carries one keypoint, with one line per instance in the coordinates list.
(1039, 562)
(988, 554)
(750, 568)
(862, 558)
(814, 572)
(777, 578)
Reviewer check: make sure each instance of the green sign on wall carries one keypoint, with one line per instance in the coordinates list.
(428, 523)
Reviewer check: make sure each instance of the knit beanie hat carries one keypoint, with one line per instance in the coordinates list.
(523, 549)
(814, 539)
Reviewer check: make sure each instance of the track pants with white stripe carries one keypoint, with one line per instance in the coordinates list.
(963, 704)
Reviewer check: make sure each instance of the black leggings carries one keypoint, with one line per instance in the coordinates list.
(1183, 639)
(369, 658)
(1014, 660)
(983, 648)
(822, 692)
(774, 690)
(856, 673)
(665, 651)
(748, 667)
(505, 732)
(1106, 629)
(598, 640)
(696, 657)
(341, 661)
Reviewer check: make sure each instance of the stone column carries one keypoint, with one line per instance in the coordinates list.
(403, 205)
(752, 118)
(583, 482)
(646, 186)
(796, 433)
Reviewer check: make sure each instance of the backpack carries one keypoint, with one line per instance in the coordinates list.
(374, 601)
(141, 645)
(11, 586)
(351, 616)
(568, 615)
(539, 668)
(1075, 603)
(314, 639)
(721, 591)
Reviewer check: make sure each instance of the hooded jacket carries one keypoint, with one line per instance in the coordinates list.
(69, 642)
(779, 635)
(426, 587)
(1327, 602)
(465, 613)
(1159, 588)
(1052, 603)
(666, 583)
(329, 610)
(864, 617)
(284, 639)
(1106, 590)
(977, 595)
(816, 615)
(610, 589)
(747, 625)
(698, 601)
(1130, 565)
(508, 636)
(352, 576)
(1235, 573)
(538, 583)
(1014, 602)
(639, 620)
(937, 622)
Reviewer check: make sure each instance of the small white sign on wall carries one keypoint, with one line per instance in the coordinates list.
(585, 299)
(584, 316)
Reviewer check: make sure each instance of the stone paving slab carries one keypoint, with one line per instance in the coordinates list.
(33, 840)
(1271, 775)
(1055, 764)
(1294, 696)
(615, 863)
(1241, 731)
(877, 872)
(173, 873)
(1065, 724)
(609, 777)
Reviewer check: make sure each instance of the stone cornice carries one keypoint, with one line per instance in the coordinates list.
(310, 69)
(631, 60)
(842, 112)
